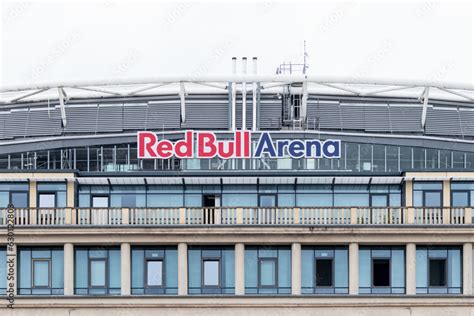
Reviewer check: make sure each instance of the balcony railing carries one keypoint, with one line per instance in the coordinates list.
(238, 216)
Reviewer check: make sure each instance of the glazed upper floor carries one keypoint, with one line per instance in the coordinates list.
(62, 198)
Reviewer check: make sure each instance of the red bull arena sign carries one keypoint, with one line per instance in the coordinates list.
(208, 146)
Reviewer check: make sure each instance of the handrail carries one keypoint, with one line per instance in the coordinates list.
(83, 216)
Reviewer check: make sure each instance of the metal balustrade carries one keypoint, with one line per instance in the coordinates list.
(238, 216)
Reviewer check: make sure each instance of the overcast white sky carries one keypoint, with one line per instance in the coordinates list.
(44, 41)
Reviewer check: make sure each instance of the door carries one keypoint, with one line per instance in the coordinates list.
(210, 202)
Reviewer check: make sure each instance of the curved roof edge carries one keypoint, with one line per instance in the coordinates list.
(351, 86)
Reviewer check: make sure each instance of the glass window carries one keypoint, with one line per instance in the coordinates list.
(100, 201)
(268, 272)
(437, 272)
(211, 273)
(154, 270)
(19, 199)
(97, 273)
(381, 272)
(47, 200)
(267, 200)
(41, 273)
(154, 273)
(211, 270)
(324, 272)
(427, 194)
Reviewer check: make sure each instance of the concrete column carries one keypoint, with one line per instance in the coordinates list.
(467, 269)
(411, 269)
(353, 268)
(409, 193)
(239, 269)
(32, 196)
(447, 193)
(70, 189)
(125, 263)
(68, 269)
(182, 269)
(296, 268)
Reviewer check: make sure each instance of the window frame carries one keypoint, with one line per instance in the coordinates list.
(49, 261)
(386, 195)
(145, 271)
(106, 277)
(389, 259)
(259, 284)
(10, 200)
(275, 196)
(219, 277)
(47, 193)
(333, 272)
(468, 192)
(99, 196)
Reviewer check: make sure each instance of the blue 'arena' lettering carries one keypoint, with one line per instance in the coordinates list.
(313, 148)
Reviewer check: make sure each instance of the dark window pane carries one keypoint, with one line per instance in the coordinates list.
(381, 272)
(437, 272)
(323, 272)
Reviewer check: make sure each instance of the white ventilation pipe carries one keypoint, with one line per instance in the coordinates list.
(254, 96)
(244, 95)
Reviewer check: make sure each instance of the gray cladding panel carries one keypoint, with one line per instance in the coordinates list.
(270, 112)
(442, 122)
(406, 118)
(110, 118)
(377, 118)
(163, 115)
(44, 122)
(81, 119)
(326, 114)
(207, 113)
(134, 116)
(467, 122)
(15, 124)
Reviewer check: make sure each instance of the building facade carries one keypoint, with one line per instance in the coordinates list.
(378, 220)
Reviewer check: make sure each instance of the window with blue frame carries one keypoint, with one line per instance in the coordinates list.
(382, 270)
(267, 270)
(428, 194)
(41, 271)
(325, 270)
(154, 270)
(211, 270)
(14, 193)
(3, 271)
(438, 270)
(51, 195)
(97, 271)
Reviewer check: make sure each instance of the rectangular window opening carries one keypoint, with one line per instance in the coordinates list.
(211, 272)
(154, 273)
(381, 272)
(324, 272)
(268, 272)
(437, 272)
